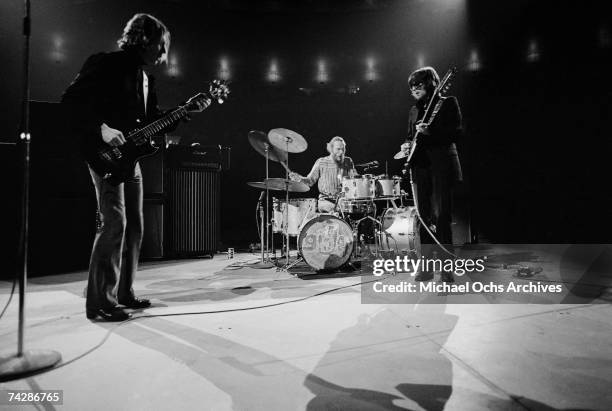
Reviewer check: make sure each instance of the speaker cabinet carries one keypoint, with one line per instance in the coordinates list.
(193, 211)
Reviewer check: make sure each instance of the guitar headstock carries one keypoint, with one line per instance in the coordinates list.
(446, 81)
(218, 90)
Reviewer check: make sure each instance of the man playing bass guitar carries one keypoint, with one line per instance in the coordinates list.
(110, 92)
(435, 164)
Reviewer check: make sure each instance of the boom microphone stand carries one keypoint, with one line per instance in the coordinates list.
(25, 363)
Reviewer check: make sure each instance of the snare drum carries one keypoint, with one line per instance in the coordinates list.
(356, 207)
(388, 187)
(299, 210)
(326, 242)
(400, 231)
(359, 187)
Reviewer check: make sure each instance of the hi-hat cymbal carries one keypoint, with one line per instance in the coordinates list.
(280, 184)
(287, 140)
(259, 140)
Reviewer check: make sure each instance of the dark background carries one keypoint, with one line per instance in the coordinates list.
(533, 85)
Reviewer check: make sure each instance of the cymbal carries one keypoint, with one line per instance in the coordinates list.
(287, 140)
(400, 155)
(259, 140)
(280, 184)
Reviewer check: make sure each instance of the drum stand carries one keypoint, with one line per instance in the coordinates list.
(287, 243)
(264, 236)
(356, 224)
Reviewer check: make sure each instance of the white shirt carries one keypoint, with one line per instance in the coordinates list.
(145, 89)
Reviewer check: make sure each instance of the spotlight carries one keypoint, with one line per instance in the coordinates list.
(273, 74)
(371, 73)
(533, 52)
(420, 60)
(224, 70)
(58, 53)
(173, 67)
(322, 76)
(474, 63)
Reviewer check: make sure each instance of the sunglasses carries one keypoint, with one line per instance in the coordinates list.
(417, 86)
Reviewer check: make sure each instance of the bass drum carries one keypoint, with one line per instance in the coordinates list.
(400, 232)
(326, 242)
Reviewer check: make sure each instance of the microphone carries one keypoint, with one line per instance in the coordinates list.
(369, 165)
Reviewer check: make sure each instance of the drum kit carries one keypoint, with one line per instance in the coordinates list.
(328, 241)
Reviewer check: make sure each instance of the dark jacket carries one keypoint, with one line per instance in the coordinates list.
(108, 89)
(438, 151)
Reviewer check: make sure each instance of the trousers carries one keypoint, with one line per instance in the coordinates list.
(434, 196)
(116, 248)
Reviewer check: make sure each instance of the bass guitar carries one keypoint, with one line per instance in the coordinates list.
(116, 164)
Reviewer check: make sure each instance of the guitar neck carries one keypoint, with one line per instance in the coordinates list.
(158, 125)
(435, 111)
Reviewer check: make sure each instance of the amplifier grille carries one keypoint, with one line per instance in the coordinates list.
(193, 211)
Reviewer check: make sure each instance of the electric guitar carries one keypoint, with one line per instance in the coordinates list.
(116, 164)
(430, 114)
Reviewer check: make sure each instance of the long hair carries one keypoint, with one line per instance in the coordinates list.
(426, 75)
(142, 30)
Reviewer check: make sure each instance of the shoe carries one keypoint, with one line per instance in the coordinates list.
(423, 276)
(447, 277)
(107, 314)
(136, 303)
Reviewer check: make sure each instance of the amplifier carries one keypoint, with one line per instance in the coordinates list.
(193, 211)
(198, 156)
(182, 201)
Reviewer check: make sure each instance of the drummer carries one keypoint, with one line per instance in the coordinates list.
(328, 173)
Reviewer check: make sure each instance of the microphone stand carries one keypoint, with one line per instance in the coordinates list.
(25, 363)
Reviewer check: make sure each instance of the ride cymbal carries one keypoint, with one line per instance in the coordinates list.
(259, 140)
(287, 140)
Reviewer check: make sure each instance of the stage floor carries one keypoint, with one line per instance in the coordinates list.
(227, 337)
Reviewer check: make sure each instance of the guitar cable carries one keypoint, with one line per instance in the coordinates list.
(418, 213)
(10, 296)
(112, 330)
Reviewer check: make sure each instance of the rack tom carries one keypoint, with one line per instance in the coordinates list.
(359, 187)
(388, 187)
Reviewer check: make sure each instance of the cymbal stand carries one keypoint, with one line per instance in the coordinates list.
(267, 242)
(288, 245)
(265, 253)
(286, 217)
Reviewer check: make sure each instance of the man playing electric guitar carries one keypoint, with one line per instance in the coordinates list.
(435, 164)
(110, 92)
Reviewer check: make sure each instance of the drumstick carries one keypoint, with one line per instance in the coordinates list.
(285, 166)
